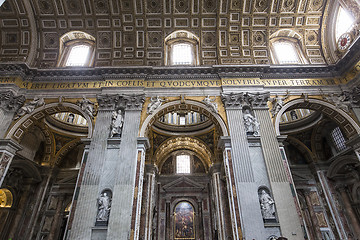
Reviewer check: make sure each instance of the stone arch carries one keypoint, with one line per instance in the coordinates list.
(309, 156)
(338, 165)
(186, 105)
(183, 143)
(347, 123)
(23, 124)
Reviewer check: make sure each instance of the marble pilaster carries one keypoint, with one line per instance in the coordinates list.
(127, 188)
(285, 202)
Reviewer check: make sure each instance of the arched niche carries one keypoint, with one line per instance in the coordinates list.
(186, 105)
(346, 123)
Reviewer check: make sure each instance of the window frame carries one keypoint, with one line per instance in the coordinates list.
(67, 44)
(295, 44)
(178, 37)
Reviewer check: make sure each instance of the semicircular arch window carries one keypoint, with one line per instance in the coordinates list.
(344, 22)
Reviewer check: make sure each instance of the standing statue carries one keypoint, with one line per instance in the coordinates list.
(278, 103)
(116, 123)
(267, 205)
(30, 107)
(104, 204)
(252, 126)
(87, 106)
(154, 104)
(211, 104)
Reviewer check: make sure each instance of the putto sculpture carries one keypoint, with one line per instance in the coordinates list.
(87, 106)
(211, 103)
(154, 104)
(30, 107)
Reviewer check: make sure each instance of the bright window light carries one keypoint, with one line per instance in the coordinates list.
(286, 53)
(182, 120)
(183, 164)
(78, 56)
(344, 21)
(182, 54)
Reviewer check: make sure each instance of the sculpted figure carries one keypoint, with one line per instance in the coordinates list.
(87, 106)
(252, 126)
(211, 104)
(30, 106)
(339, 100)
(267, 205)
(278, 103)
(116, 123)
(103, 207)
(154, 104)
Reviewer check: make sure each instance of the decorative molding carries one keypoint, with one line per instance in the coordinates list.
(117, 101)
(232, 100)
(257, 100)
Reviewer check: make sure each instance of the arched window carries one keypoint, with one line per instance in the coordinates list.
(344, 21)
(287, 51)
(181, 48)
(77, 49)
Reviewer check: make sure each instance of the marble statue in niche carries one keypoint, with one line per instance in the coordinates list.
(87, 106)
(104, 205)
(252, 126)
(117, 121)
(30, 107)
(211, 104)
(267, 205)
(154, 104)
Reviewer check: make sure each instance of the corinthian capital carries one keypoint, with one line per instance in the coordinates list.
(116, 101)
(10, 102)
(232, 100)
(257, 100)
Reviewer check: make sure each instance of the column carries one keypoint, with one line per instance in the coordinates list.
(349, 210)
(245, 185)
(8, 148)
(124, 215)
(151, 172)
(237, 223)
(142, 145)
(84, 209)
(335, 213)
(288, 211)
(215, 171)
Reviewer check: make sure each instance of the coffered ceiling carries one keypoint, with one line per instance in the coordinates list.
(132, 32)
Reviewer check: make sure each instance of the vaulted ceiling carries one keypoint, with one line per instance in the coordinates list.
(132, 32)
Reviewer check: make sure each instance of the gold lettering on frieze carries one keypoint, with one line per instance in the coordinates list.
(198, 83)
(280, 82)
